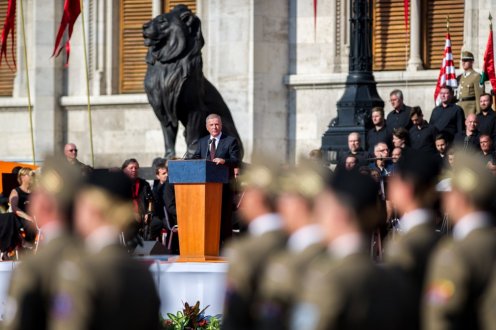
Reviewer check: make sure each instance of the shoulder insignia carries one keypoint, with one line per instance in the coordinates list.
(440, 292)
(304, 316)
(62, 306)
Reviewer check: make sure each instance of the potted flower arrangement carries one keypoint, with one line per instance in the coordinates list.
(191, 318)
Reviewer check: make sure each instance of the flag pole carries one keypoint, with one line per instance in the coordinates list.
(447, 23)
(28, 90)
(90, 124)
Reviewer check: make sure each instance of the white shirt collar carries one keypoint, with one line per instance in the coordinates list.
(469, 223)
(101, 238)
(265, 223)
(217, 138)
(304, 237)
(50, 231)
(413, 219)
(346, 245)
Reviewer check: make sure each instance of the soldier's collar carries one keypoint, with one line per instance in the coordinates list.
(265, 223)
(469, 223)
(346, 245)
(304, 237)
(414, 218)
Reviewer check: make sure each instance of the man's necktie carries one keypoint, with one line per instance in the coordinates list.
(212, 149)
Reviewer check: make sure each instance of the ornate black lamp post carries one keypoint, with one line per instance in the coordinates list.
(360, 94)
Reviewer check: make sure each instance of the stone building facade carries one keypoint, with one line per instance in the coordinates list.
(279, 64)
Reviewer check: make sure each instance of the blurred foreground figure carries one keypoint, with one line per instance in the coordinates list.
(461, 266)
(248, 256)
(32, 285)
(412, 192)
(344, 289)
(282, 281)
(104, 288)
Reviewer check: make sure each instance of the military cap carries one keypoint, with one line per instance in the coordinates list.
(115, 184)
(471, 177)
(357, 191)
(467, 56)
(305, 180)
(58, 179)
(419, 166)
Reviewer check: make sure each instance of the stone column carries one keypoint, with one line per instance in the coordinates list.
(415, 61)
(156, 8)
(48, 80)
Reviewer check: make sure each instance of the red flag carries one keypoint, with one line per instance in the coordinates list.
(315, 16)
(406, 12)
(8, 27)
(72, 9)
(447, 75)
(488, 66)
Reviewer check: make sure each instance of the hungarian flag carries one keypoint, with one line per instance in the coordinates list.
(488, 66)
(447, 75)
(72, 9)
(8, 27)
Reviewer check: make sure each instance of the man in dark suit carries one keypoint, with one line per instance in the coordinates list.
(221, 149)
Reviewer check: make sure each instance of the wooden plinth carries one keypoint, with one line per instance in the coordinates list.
(198, 218)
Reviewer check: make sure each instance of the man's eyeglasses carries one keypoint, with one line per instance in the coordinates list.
(73, 150)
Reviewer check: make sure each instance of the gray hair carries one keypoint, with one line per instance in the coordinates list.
(398, 93)
(213, 116)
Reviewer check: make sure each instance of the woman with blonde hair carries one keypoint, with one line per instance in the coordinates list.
(19, 196)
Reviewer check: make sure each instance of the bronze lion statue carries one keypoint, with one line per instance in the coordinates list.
(174, 81)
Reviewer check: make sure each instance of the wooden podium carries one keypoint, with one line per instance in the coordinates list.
(198, 186)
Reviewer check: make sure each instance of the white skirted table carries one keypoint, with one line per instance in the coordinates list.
(176, 283)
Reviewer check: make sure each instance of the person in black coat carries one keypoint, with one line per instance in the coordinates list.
(400, 116)
(447, 118)
(221, 149)
(422, 135)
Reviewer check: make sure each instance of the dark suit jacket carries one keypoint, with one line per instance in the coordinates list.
(227, 149)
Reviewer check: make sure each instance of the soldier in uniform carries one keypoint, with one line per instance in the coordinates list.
(469, 88)
(412, 192)
(31, 287)
(461, 266)
(281, 281)
(344, 289)
(104, 288)
(248, 255)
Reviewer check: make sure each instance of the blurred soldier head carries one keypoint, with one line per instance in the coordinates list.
(258, 182)
(52, 198)
(413, 184)
(298, 188)
(467, 60)
(396, 99)
(104, 201)
(354, 142)
(349, 204)
(472, 187)
(485, 102)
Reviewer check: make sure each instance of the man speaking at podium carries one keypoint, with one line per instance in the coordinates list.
(222, 150)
